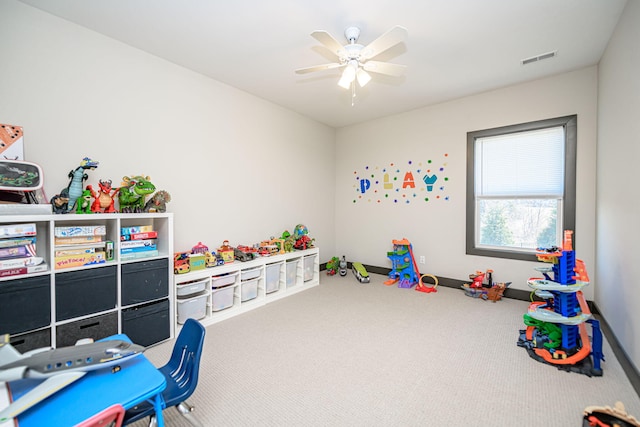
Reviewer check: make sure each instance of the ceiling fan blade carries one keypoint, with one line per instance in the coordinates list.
(319, 68)
(395, 70)
(329, 42)
(389, 39)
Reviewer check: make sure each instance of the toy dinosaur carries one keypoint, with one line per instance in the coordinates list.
(133, 191)
(75, 188)
(83, 204)
(104, 201)
(158, 202)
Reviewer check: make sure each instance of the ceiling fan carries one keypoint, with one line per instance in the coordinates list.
(356, 58)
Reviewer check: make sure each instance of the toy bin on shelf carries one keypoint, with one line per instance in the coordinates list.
(248, 289)
(191, 287)
(222, 298)
(147, 324)
(272, 276)
(96, 327)
(250, 273)
(291, 272)
(223, 280)
(194, 308)
(309, 262)
(26, 304)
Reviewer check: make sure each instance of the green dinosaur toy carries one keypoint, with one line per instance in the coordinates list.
(83, 203)
(133, 191)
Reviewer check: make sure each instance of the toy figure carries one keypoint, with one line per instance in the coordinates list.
(83, 204)
(60, 202)
(343, 266)
(332, 266)
(104, 201)
(132, 193)
(158, 202)
(75, 188)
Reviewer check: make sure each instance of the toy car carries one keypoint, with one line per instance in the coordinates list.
(181, 263)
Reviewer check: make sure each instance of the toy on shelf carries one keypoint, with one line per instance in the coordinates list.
(360, 272)
(301, 237)
(226, 252)
(181, 263)
(556, 331)
(289, 241)
(245, 253)
(66, 201)
(83, 203)
(103, 199)
(158, 202)
(343, 266)
(332, 266)
(404, 269)
(132, 193)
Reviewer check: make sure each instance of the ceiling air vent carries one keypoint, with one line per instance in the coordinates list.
(539, 57)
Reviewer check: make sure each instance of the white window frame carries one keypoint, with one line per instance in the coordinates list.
(566, 214)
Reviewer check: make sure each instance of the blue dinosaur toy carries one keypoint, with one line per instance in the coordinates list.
(74, 190)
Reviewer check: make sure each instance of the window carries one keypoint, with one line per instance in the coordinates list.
(520, 187)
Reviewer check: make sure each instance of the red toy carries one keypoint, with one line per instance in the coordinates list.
(104, 201)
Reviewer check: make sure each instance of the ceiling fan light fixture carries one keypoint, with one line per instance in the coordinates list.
(363, 77)
(348, 75)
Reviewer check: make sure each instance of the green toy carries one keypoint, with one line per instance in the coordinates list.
(83, 203)
(133, 192)
(333, 265)
(552, 330)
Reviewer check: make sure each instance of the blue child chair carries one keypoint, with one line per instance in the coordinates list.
(181, 373)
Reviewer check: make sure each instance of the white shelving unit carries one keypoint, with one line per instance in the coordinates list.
(58, 306)
(235, 288)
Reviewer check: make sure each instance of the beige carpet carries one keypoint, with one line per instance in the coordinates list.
(351, 354)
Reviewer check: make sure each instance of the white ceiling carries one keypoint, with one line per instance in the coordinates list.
(455, 48)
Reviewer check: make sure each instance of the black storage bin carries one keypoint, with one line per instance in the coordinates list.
(25, 304)
(145, 281)
(31, 340)
(83, 292)
(96, 327)
(147, 324)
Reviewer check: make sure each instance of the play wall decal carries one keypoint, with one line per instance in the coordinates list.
(410, 182)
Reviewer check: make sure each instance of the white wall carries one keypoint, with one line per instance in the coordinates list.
(237, 167)
(618, 204)
(436, 229)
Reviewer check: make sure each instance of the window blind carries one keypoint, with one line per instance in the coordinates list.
(521, 164)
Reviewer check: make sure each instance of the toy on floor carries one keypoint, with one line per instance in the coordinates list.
(360, 272)
(104, 201)
(404, 269)
(332, 266)
(343, 266)
(481, 279)
(66, 201)
(606, 416)
(493, 294)
(564, 307)
(132, 193)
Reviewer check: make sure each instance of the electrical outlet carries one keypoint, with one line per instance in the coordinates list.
(421, 259)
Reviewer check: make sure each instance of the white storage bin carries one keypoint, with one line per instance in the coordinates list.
(191, 287)
(248, 290)
(309, 262)
(194, 308)
(249, 274)
(292, 272)
(223, 280)
(222, 298)
(272, 277)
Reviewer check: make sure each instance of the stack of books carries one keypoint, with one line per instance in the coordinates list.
(138, 242)
(18, 250)
(76, 246)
